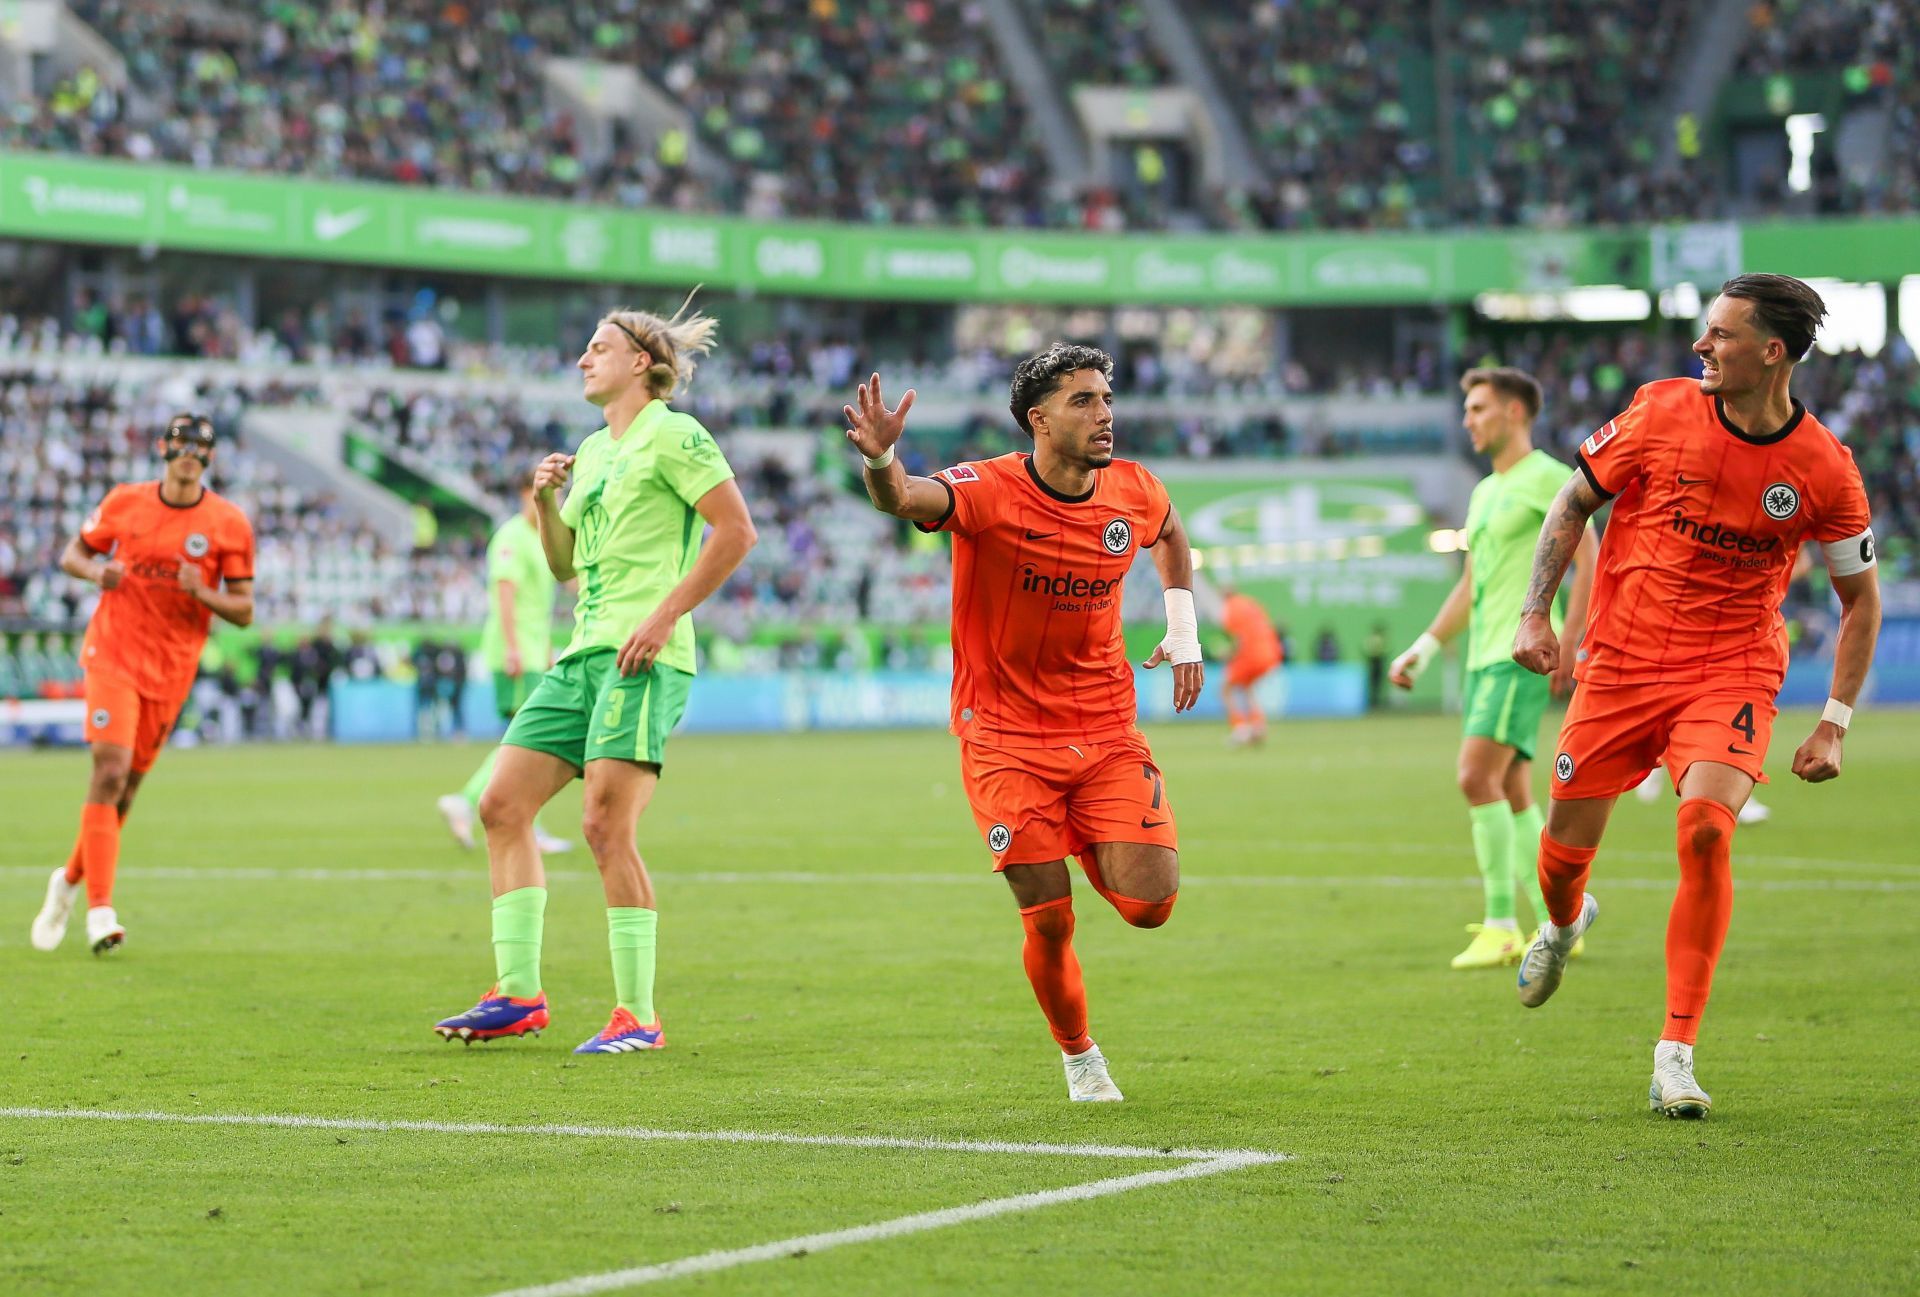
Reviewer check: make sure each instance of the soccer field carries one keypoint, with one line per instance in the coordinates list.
(860, 1094)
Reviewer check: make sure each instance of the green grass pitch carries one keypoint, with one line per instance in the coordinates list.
(837, 961)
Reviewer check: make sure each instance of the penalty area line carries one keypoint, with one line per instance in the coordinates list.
(1199, 1163)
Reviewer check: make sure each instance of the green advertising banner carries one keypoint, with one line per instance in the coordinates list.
(82, 200)
(1325, 554)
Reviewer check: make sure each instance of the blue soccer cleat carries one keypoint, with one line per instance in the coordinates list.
(495, 1016)
(624, 1035)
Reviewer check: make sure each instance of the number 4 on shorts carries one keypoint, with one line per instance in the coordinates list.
(1743, 721)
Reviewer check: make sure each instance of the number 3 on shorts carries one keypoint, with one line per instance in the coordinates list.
(618, 703)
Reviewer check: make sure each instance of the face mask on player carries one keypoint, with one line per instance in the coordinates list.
(189, 435)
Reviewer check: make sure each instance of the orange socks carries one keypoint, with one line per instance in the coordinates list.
(1054, 970)
(76, 867)
(99, 850)
(1563, 878)
(1697, 926)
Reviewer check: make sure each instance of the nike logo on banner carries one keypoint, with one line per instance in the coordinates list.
(328, 226)
(1041, 535)
(1691, 481)
(1146, 823)
(1739, 752)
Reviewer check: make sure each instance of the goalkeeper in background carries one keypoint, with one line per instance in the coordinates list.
(1504, 702)
(517, 645)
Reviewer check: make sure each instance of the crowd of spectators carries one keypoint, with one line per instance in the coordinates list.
(1089, 42)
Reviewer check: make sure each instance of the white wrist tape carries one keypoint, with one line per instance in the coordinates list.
(1839, 713)
(1422, 653)
(1182, 644)
(880, 461)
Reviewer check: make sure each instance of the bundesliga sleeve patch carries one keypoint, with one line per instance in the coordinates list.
(1592, 445)
(1851, 556)
(959, 473)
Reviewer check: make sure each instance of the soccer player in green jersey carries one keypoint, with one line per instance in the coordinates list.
(630, 531)
(517, 646)
(1504, 702)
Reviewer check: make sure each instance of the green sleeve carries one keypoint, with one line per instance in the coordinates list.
(690, 462)
(575, 502)
(502, 562)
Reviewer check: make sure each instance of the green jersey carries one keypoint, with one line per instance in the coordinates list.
(514, 555)
(636, 532)
(1503, 528)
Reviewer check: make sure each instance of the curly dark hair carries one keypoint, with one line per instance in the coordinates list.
(1038, 377)
(1783, 306)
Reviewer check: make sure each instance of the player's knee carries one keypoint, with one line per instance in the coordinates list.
(605, 831)
(499, 811)
(111, 772)
(1480, 785)
(1707, 835)
(1051, 923)
(1143, 914)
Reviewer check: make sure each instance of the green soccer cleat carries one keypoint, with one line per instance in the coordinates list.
(1491, 947)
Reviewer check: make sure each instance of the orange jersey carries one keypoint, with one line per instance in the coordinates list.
(1253, 633)
(147, 630)
(1706, 525)
(1038, 656)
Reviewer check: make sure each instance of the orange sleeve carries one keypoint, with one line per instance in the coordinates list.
(1158, 508)
(236, 558)
(1844, 512)
(105, 525)
(968, 492)
(1612, 456)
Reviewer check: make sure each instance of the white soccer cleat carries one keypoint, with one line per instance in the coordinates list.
(104, 932)
(1546, 959)
(1087, 1079)
(50, 925)
(1755, 812)
(1649, 788)
(459, 817)
(548, 844)
(1673, 1090)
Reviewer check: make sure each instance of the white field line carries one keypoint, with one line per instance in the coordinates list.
(920, 1222)
(806, 878)
(1199, 1163)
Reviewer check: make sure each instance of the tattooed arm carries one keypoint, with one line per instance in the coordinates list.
(1535, 646)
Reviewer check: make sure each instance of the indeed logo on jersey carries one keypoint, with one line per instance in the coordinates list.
(1717, 536)
(1069, 592)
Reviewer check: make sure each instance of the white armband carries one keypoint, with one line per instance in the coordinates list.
(1839, 713)
(879, 461)
(1850, 556)
(1182, 644)
(1421, 655)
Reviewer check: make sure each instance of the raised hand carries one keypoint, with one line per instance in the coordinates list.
(1535, 646)
(872, 427)
(1818, 759)
(551, 473)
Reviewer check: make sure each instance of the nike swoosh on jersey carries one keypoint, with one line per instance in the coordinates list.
(1683, 480)
(1739, 752)
(1146, 823)
(1041, 535)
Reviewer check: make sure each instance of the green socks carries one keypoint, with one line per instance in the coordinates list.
(630, 936)
(518, 917)
(1528, 825)
(478, 784)
(1493, 826)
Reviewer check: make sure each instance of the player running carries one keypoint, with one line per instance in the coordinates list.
(1043, 697)
(167, 556)
(1716, 484)
(1504, 702)
(630, 531)
(517, 645)
(1256, 651)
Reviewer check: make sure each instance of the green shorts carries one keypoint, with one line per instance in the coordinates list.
(1504, 703)
(510, 693)
(585, 710)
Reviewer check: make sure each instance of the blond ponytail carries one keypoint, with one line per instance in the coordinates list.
(675, 344)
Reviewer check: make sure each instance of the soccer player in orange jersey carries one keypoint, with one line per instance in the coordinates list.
(1256, 651)
(1716, 484)
(167, 556)
(1043, 699)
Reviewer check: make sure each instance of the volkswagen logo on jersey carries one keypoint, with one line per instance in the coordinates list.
(1781, 502)
(1118, 537)
(196, 546)
(999, 838)
(1563, 767)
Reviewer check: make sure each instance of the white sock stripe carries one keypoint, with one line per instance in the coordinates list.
(296, 1121)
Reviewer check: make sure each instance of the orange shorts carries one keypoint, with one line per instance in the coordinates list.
(1039, 804)
(118, 714)
(1615, 734)
(1245, 669)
